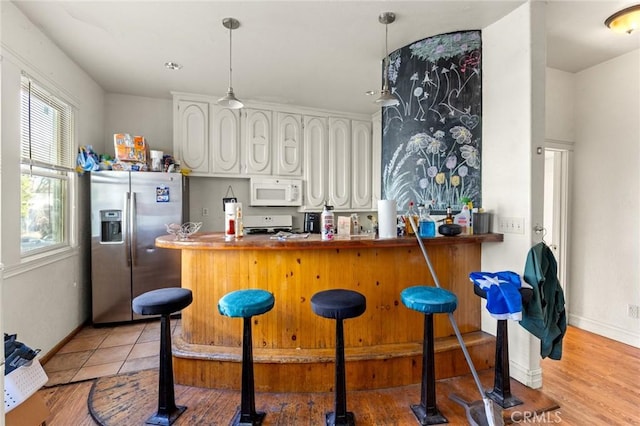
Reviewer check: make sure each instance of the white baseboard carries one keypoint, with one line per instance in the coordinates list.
(606, 330)
(526, 376)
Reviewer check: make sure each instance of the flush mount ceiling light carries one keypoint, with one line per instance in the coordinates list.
(172, 65)
(386, 99)
(230, 100)
(625, 21)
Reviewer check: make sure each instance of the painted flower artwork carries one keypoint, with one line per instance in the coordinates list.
(431, 141)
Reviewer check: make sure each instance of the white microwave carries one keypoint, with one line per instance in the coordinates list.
(276, 192)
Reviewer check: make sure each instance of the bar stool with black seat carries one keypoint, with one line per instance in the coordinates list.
(428, 301)
(501, 392)
(339, 304)
(164, 302)
(246, 304)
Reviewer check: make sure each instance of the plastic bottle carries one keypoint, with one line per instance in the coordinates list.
(239, 225)
(463, 219)
(427, 228)
(327, 227)
(407, 223)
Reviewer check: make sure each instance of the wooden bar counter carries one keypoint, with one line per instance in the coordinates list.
(293, 348)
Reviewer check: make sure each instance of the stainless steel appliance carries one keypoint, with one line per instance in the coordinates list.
(269, 224)
(128, 211)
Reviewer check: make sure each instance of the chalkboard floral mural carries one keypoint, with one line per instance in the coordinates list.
(431, 141)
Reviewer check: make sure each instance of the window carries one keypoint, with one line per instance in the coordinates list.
(46, 141)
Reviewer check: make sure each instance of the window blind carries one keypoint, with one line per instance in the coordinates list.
(46, 134)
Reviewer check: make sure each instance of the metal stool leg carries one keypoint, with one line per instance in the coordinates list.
(427, 411)
(501, 392)
(340, 416)
(247, 416)
(168, 412)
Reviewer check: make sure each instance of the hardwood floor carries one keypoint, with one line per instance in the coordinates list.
(595, 383)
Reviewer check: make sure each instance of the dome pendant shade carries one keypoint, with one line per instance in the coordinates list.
(625, 21)
(230, 101)
(386, 98)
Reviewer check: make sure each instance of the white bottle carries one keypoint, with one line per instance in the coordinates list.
(239, 225)
(463, 219)
(327, 227)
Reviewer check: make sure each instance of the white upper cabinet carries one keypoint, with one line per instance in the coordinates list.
(315, 162)
(361, 165)
(191, 135)
(225, 141)
(257, 137)
(288, 147)
(339, 171)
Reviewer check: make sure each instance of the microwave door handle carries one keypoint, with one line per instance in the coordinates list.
(127, 234)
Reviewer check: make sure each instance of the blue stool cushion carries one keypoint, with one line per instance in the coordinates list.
(162, 301)
(246, 303)
(338, 304)
(429, 300)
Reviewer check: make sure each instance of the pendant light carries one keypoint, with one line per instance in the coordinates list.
(386, 98)
(230, 100)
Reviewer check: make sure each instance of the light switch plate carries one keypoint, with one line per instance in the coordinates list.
(511, 225)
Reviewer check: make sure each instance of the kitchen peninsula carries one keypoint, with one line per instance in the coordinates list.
(293, 348)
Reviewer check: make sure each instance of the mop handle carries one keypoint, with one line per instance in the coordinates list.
(451, 318)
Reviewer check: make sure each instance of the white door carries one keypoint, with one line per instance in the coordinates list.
(257, 141)
(556, 196)
(340, 163)
(315, 162)
(193, 134)
(225, 141)
(361, 165)
(288, 147)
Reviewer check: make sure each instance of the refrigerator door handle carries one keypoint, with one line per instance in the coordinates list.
(127, 228)
(134, 229)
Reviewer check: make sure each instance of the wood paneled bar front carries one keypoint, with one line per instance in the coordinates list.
(294, 349)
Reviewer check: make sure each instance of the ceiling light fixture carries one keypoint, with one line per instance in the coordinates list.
(172, 65)
(386, 99)
(625, 21)
(230, 100)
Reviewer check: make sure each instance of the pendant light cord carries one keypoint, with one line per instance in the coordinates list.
(230, 49)
(386, 57)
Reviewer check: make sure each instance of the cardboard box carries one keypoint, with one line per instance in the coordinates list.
(128, 148)
(32, 412)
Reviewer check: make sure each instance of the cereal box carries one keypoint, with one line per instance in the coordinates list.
(130, 148)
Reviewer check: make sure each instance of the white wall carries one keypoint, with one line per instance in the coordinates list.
(136, 115)
(559, 109)
(512, 180)
(605, 256)
(42, 301)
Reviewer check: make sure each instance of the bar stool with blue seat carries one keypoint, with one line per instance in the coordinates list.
(164, 302)
(428, 301)
(339, 304)
(246, 304)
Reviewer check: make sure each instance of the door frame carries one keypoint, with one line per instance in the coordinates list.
(560, 197)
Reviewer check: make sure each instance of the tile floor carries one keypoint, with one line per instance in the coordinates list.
(103, 351)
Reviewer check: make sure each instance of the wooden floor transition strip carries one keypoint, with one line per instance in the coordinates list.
(129, 399)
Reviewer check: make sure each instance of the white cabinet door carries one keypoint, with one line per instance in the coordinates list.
(361, 164)
(257, 141)
(339, 163)
(315, 162)
(288, 147)
(191, 140)
(225, 141)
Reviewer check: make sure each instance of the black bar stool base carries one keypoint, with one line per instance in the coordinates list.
(424, 418)
(254, 419)
(346, 420)
(507, 401)
(166, 419)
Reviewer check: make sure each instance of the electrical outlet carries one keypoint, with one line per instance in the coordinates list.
(511, 225)
(633, 311)
(205, 211)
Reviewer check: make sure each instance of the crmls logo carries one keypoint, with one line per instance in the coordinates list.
(537, 418)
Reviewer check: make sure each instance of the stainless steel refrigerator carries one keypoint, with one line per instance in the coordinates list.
(128, 211)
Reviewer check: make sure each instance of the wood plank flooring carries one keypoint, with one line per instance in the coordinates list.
(595, 383)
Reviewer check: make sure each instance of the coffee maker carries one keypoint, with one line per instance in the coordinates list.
(312, 222)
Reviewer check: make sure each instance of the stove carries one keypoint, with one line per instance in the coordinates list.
(270, 224)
